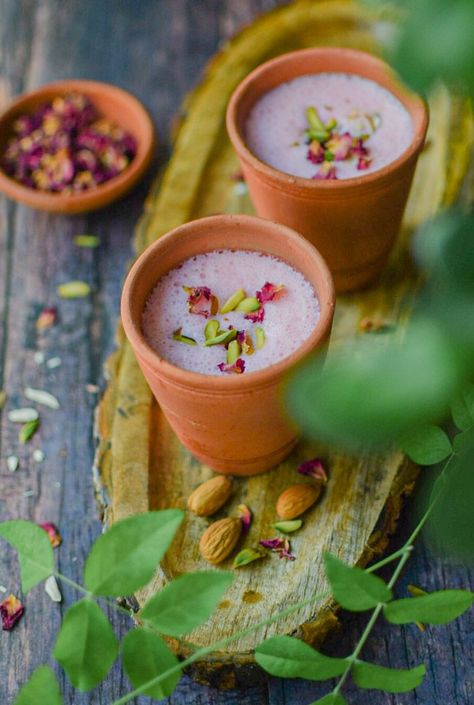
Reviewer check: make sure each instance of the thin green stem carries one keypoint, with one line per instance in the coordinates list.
(404, 553)
(219, 645)
(113, 603)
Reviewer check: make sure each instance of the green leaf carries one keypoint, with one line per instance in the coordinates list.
(186, 602)
(426, 445)
(434, 608)
(35, 553)
(463, 440)
(125, 558)
(462, 409)
(41, 688)
(353, 588)
(443, 50)
(86, 646)
(391, 680)
(287, 657)
(415, 382)
(89, 241)
(451, 522)
(146, 656)
(331, 699)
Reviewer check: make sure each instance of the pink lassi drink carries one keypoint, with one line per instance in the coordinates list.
(328, 126)
(229, 312)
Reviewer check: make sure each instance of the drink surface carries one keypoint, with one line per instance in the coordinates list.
(276, 125)
(287, 320)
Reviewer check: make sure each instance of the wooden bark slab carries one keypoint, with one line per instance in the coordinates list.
(140, 464)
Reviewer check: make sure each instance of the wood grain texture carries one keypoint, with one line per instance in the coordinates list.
(156, 49)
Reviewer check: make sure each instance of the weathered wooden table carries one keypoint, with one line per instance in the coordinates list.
(156, 49)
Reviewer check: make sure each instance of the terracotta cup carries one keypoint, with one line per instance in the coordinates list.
(234, 423)
(353, 222)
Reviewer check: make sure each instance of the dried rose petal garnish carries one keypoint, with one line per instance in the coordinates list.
(245, 342)
(64, 147)
(201, 301)
(53, 534)
(11, 609)
(326, 144)
(245, 516)
(271, 292)
(47, 317)
(339, 145)
(279, 545)
(236, 367)
(314, 468)
(256, 316)
(325, 172)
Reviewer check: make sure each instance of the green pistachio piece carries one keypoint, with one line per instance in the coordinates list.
(233, 301)
(318, 135)
(211, 329)
(331, 124)
(251, 303)
(288, 527)
(328, 155)
(73, 290)
(259, 337)
(246, 556)
(177, 335)
(89, 241)
(233, 352)
(222, 338)
(28, 430)
(313, 119)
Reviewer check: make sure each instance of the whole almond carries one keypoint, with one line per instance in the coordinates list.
(220, 539)
(296, 500)
(209, 497)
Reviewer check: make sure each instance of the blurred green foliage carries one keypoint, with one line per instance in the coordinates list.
(372, 396)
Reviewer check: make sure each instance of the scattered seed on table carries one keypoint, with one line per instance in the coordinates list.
(23, 415)
(53, 362)
(41, 397)
(13, 463)
(38, 357)
(38, 455)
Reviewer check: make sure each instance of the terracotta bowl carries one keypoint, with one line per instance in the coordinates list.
(111, 102)
(234, 423)
(353, 222)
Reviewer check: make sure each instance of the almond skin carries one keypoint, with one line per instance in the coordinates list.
(296, 500)
(209, 497)
(220, 539)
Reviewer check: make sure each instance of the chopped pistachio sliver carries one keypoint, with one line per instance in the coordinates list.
(74, 290)
(246, 556)
(3, 398)
(249, 304)
(87, 241)
(233, 352)
(233, 301)
(288, 527)
(183, 338)
(28, 430)
(314, 120)
(328, 155)
(222, 338)
(259, 337)
(319, 135)
(331, 124)
(211, 329)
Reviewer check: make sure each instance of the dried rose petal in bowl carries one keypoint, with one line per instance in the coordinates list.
(73, 146)
(65, 146)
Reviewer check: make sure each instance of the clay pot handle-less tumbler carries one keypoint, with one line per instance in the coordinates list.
(353, 222)
(234, 423)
